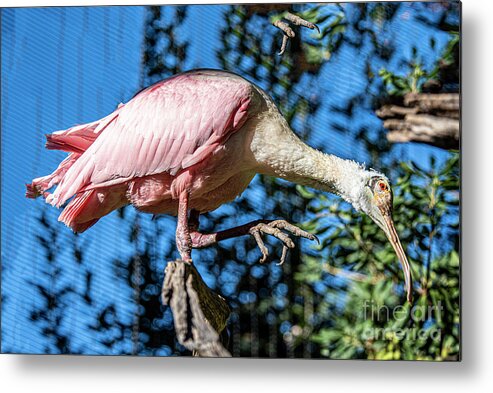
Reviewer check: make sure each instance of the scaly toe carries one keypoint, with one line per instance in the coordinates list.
(299, 21)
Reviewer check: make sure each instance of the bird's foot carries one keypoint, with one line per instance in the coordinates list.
(274, 228)
(288, 31)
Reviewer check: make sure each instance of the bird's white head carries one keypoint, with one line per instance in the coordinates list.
(368, 191)
(376, 200)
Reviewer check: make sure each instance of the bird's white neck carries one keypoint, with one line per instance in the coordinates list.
(279, 152)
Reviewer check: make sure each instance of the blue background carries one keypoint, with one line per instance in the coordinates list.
(66, 66)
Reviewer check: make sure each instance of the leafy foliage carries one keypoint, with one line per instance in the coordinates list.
(418, 77)
(400, 85)
(361, 310)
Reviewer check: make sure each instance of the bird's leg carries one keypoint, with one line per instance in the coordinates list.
(183, 239)
(288, 31)
(255, 229)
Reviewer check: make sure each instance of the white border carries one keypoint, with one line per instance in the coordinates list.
(120, 374)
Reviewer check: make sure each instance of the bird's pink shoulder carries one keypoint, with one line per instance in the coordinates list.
(203, 84)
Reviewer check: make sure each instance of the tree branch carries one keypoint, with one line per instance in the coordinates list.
(199, 314)
(425, 118)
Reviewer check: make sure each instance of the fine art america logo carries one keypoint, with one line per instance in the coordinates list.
(401, 316)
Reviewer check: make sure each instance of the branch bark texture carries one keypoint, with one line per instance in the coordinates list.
(200, 315)
(425, 118)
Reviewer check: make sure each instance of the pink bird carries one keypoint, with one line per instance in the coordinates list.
(188, 144)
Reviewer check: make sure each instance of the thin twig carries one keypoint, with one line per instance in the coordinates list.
(353, 276)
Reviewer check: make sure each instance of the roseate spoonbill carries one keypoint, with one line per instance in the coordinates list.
(188, 144)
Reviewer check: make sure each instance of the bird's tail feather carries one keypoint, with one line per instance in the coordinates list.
(80, 206)
(75, 140)
(40, 185)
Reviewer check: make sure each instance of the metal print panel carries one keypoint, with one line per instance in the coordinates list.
(268, 180)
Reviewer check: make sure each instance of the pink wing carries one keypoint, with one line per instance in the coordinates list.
(169, 127)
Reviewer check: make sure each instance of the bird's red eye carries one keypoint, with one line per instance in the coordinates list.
(382, 186)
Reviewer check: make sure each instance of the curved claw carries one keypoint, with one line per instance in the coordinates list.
(283, 256)
(255, 232)
(285, 40)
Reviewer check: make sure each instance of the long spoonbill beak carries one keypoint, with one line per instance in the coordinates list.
(391, 233)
